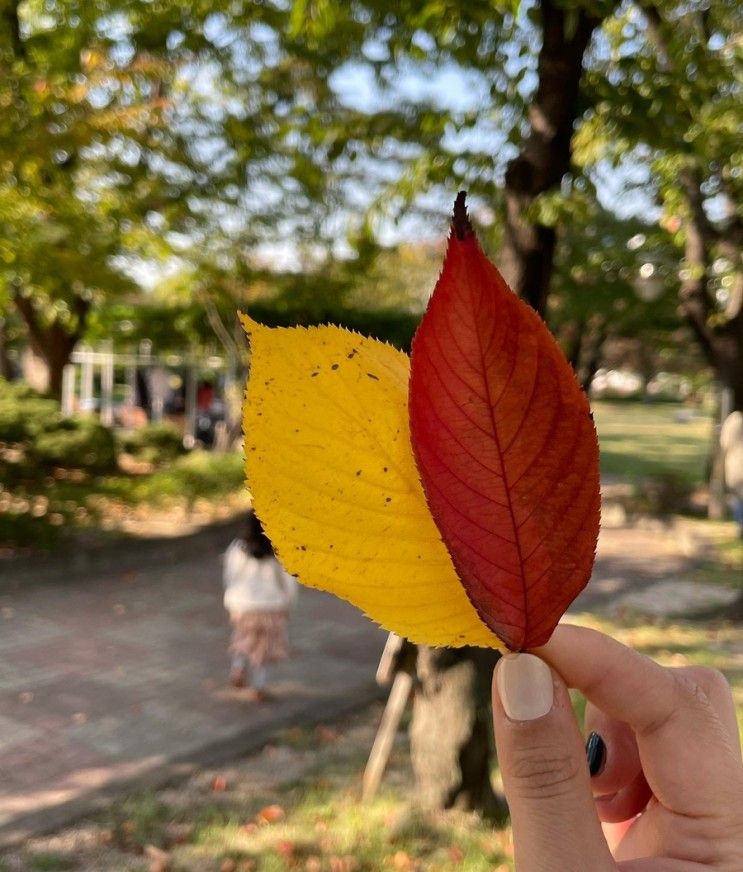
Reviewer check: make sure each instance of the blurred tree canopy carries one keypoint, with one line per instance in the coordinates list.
(573, 116)
(229, 154)
(136, 135)
(669, 100)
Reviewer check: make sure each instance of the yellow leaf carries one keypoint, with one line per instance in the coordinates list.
(333, 479)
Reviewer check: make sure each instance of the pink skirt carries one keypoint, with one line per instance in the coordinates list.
(260, 636)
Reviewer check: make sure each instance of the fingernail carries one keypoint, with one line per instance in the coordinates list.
(524, 684)
(595, 753)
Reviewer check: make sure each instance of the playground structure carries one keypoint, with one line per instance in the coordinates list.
(129, 389)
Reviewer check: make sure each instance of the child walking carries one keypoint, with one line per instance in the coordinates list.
(258, 594)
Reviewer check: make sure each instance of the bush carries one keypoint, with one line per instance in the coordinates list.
(201, 473)
(155, 443)
(25, 413)
(663, 495)
(77, 443)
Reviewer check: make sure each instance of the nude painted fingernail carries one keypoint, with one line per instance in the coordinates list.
(524, 684)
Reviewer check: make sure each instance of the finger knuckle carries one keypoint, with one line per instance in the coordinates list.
(713, 681)
(696, 686)
(542, 772)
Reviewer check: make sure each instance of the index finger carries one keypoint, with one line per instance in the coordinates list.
(687, 751)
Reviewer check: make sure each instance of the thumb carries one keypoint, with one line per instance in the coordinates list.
(545, 774)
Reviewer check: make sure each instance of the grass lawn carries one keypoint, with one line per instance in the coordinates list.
(295, 805)
(644, 440)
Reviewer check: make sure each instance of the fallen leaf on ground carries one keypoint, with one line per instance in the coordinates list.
(347, 863)
(286, 849)
(159, 859)
(326, 734)
(402, 861)
(270, 814)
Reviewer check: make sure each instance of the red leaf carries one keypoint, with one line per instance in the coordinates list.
(505, 446)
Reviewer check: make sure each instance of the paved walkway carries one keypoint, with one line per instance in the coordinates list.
(115, 674)
(651, 569)
(121, 679)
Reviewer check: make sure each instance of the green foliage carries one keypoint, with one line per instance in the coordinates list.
(137, 134)
(24, 413)
(49, 861)
(198, 474)
(663, 495)
(194, 140)
(155, 443)
(35, 424)
(667, 111)
(391, 325)
(76, 443)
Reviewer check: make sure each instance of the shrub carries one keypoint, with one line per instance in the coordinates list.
(155, 443)
(77, 443)
(663, 494)
(201, 473)
(25, 413)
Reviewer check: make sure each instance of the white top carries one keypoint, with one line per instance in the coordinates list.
(255, 585)
(731, 442)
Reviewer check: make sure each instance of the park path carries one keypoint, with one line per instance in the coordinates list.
(119, 678)
(115, 675)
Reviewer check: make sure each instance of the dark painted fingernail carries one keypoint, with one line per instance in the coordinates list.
(595, 754)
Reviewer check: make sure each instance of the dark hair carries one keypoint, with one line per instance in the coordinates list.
(254, 540)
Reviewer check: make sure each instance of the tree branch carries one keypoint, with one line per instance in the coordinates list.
(28, 313)
(217, 325)
(691, 183)
(12, 21)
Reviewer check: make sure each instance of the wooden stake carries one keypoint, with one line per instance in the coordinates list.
(385, 738)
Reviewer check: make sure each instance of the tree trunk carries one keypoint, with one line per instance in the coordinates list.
(7, 370)
(451, 733)
(594, 354)
(528, 250)
(49, 346)
(44, 362)
(574, 335)
(720, 339)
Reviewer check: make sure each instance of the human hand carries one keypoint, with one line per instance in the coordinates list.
(672, 768)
